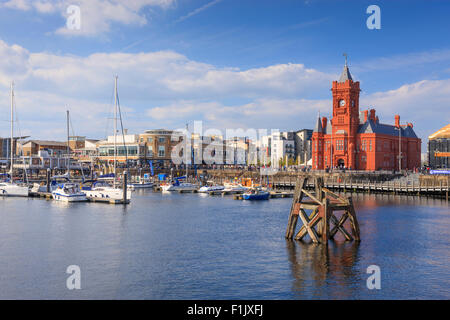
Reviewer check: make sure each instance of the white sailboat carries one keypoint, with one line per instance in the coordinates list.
(68, 191)
(104, 191)
(9, 188)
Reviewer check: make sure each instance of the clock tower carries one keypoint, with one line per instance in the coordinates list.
(345, 120)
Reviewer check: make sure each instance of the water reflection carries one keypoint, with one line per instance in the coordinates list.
(315, 266)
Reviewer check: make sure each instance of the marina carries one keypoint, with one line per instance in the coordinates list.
(224, 154)
(151, 249)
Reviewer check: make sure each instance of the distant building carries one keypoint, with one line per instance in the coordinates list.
(127, 147)
(53, 148)
(303, 145)
(359, 140)
(439, 148)
(157, 145)
(5, 149)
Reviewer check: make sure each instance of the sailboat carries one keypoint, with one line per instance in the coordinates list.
(68, 191)
(8, 187)
(104, 191)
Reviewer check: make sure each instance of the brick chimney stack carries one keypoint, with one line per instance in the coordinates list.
(397, 120)
(372, 115)
(366, 114)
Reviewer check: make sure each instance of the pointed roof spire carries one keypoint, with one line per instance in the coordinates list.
(318, 127)
(345, 75)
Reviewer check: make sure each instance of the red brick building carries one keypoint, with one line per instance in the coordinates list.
(357, 140)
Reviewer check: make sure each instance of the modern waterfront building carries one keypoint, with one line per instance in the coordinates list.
(359, 140)
(303, 145)
(439, 148)
(53, 148)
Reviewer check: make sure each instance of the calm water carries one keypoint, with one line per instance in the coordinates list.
(190, 246)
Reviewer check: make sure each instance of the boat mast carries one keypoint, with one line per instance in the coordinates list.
(115, 128)
(12, 132)
(68, 147)
(187, 156)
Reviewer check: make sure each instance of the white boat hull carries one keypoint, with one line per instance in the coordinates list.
(69, 198)
(140, 185)
(211, 188)
(69, 193)
(13, 190)
(180, 187)
(107, 193)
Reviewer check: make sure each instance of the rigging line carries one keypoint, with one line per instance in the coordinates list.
(19, 138)
(123, 134)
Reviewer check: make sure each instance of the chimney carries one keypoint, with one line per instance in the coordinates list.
(372, 115)
(410, 124)
(324, 123)
(366, 113)
(397, 120)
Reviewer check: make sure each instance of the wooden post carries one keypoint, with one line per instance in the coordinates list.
(48, 180)
(325, 222)
(125, 186)
(293, 215)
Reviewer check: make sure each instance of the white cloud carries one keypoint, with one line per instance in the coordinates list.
(166, 89)
(425, 103)
(97, 16)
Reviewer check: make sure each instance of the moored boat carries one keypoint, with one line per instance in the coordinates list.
(256, 194)
(102, 190)
(209, 188)
(69, 192)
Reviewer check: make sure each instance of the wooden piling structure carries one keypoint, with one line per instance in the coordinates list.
(321, 224)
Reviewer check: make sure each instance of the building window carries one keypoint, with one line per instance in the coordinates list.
(150, 139)
(161, 151)
(370, 145)
(339, 144)
(150, 151)
(161, 139)
(363, 158)
(364, 145)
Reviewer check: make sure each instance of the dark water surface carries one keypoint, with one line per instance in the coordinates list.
(191, 246)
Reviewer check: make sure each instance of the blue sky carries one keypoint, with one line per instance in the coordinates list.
(247, 63)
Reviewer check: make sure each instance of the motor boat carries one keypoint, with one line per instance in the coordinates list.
(179, 186)
(211, 187)
(234, 187)
(101, 189)
(142, 183)
(256, 194)
(69, 192)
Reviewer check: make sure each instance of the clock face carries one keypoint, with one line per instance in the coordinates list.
(341, 103)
